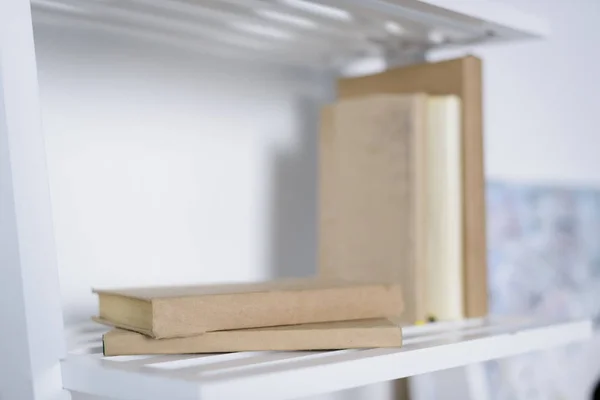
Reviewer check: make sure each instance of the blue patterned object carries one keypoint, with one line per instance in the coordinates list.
(543, 259)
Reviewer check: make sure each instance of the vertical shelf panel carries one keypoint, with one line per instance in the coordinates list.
(30, 308)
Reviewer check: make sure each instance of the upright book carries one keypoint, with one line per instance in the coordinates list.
(462, 78)
(390, 193)
(167, 312)
(373, 184)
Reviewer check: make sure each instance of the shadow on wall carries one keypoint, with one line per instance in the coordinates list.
(294, 197)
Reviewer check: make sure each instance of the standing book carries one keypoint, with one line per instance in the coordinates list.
(391, 198)
(460, 77)
(373, 188)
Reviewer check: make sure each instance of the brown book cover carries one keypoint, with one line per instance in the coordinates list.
(373, 193)
(370, 333)
(461, 77)
(166, 312)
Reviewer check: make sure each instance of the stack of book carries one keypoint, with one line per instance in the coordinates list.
(302, 314)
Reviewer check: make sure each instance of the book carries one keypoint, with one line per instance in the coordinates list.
(371, 333)
(460, 77)
(391, 179)
(444, 275)
(373, 193)
(180, 311)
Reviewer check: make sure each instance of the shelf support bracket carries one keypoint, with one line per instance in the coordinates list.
(32, 343)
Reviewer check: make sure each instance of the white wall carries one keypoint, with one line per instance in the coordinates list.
(167, 167)
(543, 98)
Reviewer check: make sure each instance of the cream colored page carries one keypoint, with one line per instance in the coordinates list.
(444, 250)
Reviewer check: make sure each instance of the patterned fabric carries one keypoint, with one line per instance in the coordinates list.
(543, 259)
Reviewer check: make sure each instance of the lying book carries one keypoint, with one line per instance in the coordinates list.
(321, 336)
(167, 312)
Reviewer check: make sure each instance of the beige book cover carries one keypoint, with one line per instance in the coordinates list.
(370, 333)
(165, 312)
(373, 183)
(463, 78)
(445, 262)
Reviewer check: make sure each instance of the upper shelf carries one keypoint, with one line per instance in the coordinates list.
(286, 375)
(320, 33)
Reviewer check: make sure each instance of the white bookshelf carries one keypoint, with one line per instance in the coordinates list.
(319, 34)
(325, 34)
(290, 375)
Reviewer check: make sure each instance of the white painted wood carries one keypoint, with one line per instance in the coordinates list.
(495, 13)
(283, 375)
(324, 34)
(31, 338)
(476, 382)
